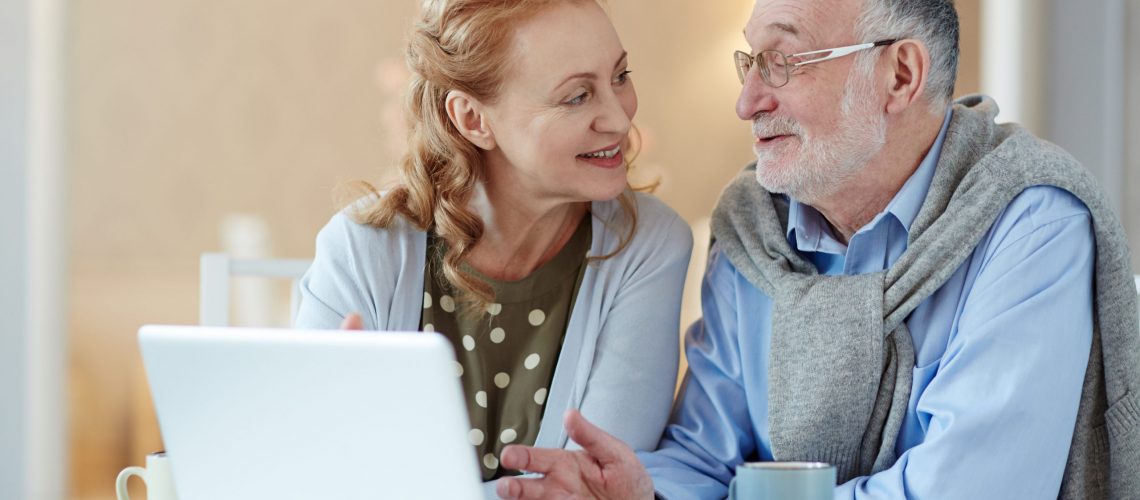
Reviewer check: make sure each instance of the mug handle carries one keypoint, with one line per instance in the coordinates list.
(121, 481)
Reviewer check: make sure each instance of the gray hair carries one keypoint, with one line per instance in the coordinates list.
(934, 22)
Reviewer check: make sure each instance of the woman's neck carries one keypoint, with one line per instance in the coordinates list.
(519, 237)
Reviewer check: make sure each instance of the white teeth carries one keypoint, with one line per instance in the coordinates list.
(604, 154)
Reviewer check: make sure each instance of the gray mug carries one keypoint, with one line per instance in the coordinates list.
(782, 481)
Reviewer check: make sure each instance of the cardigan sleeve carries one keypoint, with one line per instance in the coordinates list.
(334, 287)
(629, 391)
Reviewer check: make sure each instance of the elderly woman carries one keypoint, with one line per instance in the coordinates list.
(514, 231)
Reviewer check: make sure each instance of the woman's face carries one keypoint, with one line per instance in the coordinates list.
(564, 109)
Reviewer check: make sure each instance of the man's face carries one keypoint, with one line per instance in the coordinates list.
(823, 127)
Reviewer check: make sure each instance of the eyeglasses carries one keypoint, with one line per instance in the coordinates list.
(775, 68)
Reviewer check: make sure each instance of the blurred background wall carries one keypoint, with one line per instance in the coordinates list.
(189, 115)
(196, 125)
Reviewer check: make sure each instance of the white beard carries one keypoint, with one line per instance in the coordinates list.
(823, 164)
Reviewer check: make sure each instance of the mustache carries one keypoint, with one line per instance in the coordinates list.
(769, 126)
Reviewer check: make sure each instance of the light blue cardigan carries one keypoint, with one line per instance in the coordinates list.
(618, 363)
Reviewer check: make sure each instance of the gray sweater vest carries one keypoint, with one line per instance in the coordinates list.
(841, 356)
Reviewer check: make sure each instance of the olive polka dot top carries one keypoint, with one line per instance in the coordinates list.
(506, 356)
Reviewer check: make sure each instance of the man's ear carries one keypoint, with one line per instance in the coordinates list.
(470, 118)
(908, 70)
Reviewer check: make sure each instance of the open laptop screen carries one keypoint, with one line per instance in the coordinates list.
(260, 413)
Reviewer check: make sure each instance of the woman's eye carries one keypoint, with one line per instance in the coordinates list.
(579, 99)
(622, 77)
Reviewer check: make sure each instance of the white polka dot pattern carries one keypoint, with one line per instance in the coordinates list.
(502, 380)
(498, 335)
(501, 375)
(508, 436)
(536, 317)
(475, 437)
(429, 327)
(447, 303)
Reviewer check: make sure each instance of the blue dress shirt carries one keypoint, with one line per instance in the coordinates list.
(1000, 350)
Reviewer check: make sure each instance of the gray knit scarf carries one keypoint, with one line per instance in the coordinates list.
(841, 356)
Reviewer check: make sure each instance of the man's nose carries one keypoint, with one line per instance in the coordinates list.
(756, 96)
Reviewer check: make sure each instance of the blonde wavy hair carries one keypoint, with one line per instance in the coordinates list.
(458, 45)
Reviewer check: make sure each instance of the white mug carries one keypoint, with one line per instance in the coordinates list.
(159, 481)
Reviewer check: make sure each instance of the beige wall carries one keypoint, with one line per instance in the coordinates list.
(184, 111)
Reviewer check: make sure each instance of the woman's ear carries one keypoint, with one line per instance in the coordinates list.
(470, 118)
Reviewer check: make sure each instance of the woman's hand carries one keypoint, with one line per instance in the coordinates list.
(352, 322)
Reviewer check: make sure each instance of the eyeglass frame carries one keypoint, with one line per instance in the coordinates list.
(835, 53)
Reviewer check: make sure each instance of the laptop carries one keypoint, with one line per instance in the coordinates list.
(293, 414)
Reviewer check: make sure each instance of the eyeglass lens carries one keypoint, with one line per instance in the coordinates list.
(773, 66)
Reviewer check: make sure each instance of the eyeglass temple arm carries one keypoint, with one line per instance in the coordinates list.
(839, 51)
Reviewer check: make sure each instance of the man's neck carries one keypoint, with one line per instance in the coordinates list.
(869, 192)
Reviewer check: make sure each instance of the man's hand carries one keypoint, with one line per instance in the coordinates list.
(352, 322)
(605, 468)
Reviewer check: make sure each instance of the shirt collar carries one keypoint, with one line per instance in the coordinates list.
(808, 231)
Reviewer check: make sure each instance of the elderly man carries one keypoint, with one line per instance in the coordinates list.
(939, 306)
